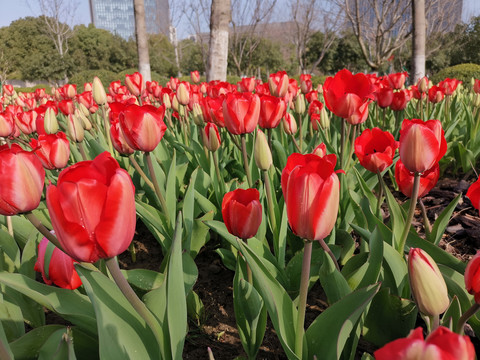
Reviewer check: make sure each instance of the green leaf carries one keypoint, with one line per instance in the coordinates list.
(195, 308)
(10, 248)
(280, 307)
(442, 221)
(58, 346)
(155, 221)
(347, 244)
(452, 315)
(188, 211)
(171, 190)
(11, 318)
(176, 296)
(396, 215)
(122, 333)
(329, 332)
(28, 346)
(3, 339)
(280, 244)
(227, 257)
(250, 313)
(389, 317)
(71, 305)
(200, 233)
(143, 279)
(333, 283)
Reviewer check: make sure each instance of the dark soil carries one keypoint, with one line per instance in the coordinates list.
(214, 285)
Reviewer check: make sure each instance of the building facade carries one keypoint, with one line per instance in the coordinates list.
(117, 16)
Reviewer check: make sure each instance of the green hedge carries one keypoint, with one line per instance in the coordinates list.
(463, 72)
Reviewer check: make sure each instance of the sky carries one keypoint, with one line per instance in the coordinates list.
(16, 9)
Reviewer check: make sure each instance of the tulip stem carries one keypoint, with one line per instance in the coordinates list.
(271, 212)
(82, 151)
(426, 222)
(295, 143)
(325, 247)
(10, 225)
(132, 298)
(465, 316)
(217, 172)
(42, 229)
(160, 197)
(435, 322)
(141, 172)
(380, 193)
(411, 212)
(4, 355)
(352, 142)
(107, 128)
(302, 297)
(342, 143)
(245, 160)
(300, 133)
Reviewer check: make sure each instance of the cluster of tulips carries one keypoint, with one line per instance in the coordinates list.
(190, 159)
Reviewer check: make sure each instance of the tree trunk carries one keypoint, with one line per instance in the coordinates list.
(220, 17)
(419, 40)
(142, 40)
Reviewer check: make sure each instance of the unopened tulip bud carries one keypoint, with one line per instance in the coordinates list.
(183, 93)
(197, 114)
(195, 76)
(50, 121)
(84, 110)
(211, 137)
(263, 155)
(175, 104)
(87, 125)
(289, 124)
(476, 100)
(320, 150)
(99, 95)
(472, 277)
(423, 85)
(166, 101)
(426, 281)
(75, 128)
(278, 83)
(300, 104)
(324, 119)
(87, 87)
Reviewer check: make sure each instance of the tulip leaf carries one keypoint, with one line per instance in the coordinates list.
(397, 217)
(29, 257)
(397, 316)
(439, 255)
(333, 283)
(171, 190)
(250, 312)
(452, 315)
(329, 332)
(200, 233)
(204, 204)
(280, 307)
(280, 244)
(176, 294)
(279, 154)
(29, 345)
(228, 258)
(443, 220)
(188, 211)
(58, 346)
(154, 221)
(10, 249)
(24, 230)
(347, 244)
(293, 270)
(143, 279)
(397, 267)
(71, 305)
(195, 308)
(122, 333)
(11, 318)
(366, 188)
(5, 344)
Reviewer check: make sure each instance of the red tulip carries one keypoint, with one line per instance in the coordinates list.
(246, 84)
(142, 126)
(422, 144)
(397, 80)
(195, 76)
(134, 83)
(183, 93)
(435, 94)
(404, 179)
(311, 189)
(289, 124)
(442, 344)
(92, 209)
(53, 150)
(306, 83)
(211, 137)
(417, 94)
(118, 139)
(476, 86)
(320, 150)
(473, 194)
(360, 114)
(26, 121)
(400, 100)
(61, 271)
(212, 109)
(272, 110)
(7, 124)
(21, 180)
(241, 112)
(384, 96)
(449, 85)
(8, 89)
(472, 277)
(242, 212)
(278, 83)
(66, 107)
(375, 149)
(346, 93)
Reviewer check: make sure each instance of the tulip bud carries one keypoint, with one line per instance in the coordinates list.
(423, 85)
(50, 121)
(98, 91)
(175, 104)
(75, 128)
(476, 100)
(197, 114)
(278, 83)
(211, 137)
(166, 101)
(183, 93)
(300, 104)
(476, 85)
(426, 281)
(195, 76)
(289, 124)
(87, 125)
(324, 119)
(320, 150)
(263, 155)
